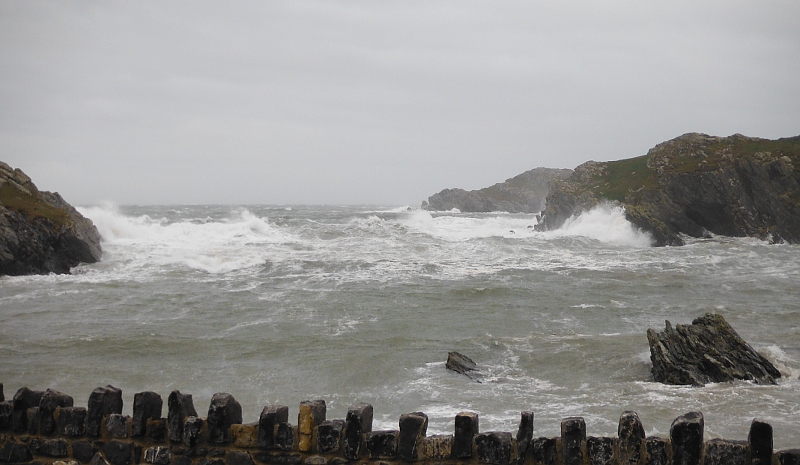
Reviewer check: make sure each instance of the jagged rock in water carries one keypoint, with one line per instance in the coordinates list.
(707, 351)
(39, 232)
(460, 363)
(694, 185)
(524, 193)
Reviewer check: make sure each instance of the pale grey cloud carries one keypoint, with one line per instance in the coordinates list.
(373, 102)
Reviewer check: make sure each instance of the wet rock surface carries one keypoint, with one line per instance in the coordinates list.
(707, 351)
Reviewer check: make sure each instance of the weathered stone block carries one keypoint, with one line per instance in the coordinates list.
(315, 460)
(157, 429)
(357, 423)
(722, 452)
(33, 421)
(197, 452)
(14, 452)
(466, 427)
(223, 412)
(656, 450)
(524, 436)
(573, 434)
(245, 435)
(98, 459)
(788, 457)
(71, 421)
(23, 400)
(180, 406)
(192, 427)
(329, 436)
(600, 450)
(493, 447)
(2, 396)
(760, 439)
(382, 444)
(284, 436)
(50, 447)
(103, 401)
(439, 446)
(50, 401)
(181, 461)
(686, 435)
(631, 438)
(6, 409)
(83, 451)
(118, 452)
(311, 414)
(206, 461)
(239, 457)
(413, 427)
(117, 425)
(282, 458)
(146, 405)
(270, 417)
(544, 451)
(158, 455)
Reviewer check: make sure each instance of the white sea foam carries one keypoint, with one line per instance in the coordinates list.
(605, 223)
(457, 228)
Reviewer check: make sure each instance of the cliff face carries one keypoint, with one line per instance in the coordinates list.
(40, 232)
(694, 185)
(524, 193)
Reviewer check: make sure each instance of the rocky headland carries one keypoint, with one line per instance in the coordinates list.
(694, 185)
(524, 193)
(39, 232)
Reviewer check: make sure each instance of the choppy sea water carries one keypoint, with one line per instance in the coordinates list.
(281, 304)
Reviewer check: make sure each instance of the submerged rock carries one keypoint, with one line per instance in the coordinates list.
(460, 363)
(707, 351)
(39, 232)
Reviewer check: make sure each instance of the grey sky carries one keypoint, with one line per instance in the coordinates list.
(373, 102)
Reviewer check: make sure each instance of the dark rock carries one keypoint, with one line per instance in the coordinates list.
(118, 453)
(117, 425)
(239, 457)
(544, 451)
(14, 452)
(695, 185)
(278, 458)
(180, 406)
(631, 438)
(708, 351)
(311, 414)
(192, 427)
(146, 405)
(524, 193)
(722, 452)
(197, 452)
(103, 401)
(686, 435)
(83, 451)
(466, 427)
(460, 363)
(438, 446)
(71, 421)
(23, 400)
(157, 429)
(656, 449)
(573, 434)
(413, 427)
(270, 416)
(33, 420)
(524, 436)
(6, 414)
(760, 439)
(158, 455)
(493, 447)
(40, 233)
(216, 452)
(98, 459)
(2, 396)
(315, 460)
(329, 436)
(789, 457)
(382, 444)
(51, 400)
(284, 436)
(357, 423)
(600, 450)
(181, 461)
(223, 412)
(207, 461)
(50, 447)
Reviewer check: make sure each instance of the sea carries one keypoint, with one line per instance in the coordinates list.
(278, 304)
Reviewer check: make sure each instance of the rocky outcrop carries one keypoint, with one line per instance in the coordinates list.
(524, 193)
(460, 363)
(695, 185)
(39, 232)
(707, 351)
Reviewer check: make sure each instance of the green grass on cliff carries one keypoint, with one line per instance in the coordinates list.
(624, 177)
(28, 205)
(715, 153)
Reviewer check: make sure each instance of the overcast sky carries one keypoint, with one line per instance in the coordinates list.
(328, 102)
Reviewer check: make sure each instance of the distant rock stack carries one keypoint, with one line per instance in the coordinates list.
(40, 233)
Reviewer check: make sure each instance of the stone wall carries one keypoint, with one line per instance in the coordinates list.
(44, 427)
